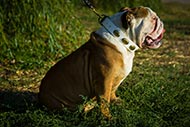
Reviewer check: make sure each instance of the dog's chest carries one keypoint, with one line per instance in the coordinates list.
(126, 66)
(127, 56)
(127, 62)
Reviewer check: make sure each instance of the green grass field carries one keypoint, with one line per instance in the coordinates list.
(155, 94)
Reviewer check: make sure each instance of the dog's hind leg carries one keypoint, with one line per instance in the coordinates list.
(90, 104)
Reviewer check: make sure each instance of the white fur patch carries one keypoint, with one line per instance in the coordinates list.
(107, 33)
(127, 55)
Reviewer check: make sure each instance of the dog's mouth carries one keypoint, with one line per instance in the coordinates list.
(153, 40)
(150, 42)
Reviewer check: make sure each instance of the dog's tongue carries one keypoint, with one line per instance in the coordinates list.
(149, 40)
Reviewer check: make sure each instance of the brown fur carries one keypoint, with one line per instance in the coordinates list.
(132, 13)
(94, 71)
(139, 12)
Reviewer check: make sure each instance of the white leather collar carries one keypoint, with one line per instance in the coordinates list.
(117, 34)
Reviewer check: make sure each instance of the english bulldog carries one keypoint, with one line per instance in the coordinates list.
(97, 68)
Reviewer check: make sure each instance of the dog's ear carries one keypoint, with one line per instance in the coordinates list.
(131, 13)
(126, 17)
(124, 20)
(139, 12)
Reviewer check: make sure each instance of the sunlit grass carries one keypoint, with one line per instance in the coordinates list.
(155, 94)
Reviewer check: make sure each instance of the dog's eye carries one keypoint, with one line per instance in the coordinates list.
(154, 18)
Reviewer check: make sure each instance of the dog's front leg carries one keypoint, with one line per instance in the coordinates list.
(114, 99)
(105, 98)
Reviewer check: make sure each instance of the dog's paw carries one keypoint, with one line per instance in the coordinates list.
(105, 111)
(117, 101)
(89, 106)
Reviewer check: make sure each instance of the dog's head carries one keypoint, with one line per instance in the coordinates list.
(142, 25)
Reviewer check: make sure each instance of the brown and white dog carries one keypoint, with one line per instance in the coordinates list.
(98, 67)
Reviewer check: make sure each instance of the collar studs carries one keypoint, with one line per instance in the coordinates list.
(116, 33)
(132, 47)
(124, 40)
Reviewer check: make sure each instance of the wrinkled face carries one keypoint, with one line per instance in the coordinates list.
(152, 29)
(143, 26)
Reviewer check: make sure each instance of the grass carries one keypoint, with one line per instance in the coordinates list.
(155, 94)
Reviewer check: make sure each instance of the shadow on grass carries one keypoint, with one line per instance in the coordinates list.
(17, 100)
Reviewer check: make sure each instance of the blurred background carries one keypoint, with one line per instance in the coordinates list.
(35, 34)
(48, 29)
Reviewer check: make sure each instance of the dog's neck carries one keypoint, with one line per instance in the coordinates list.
(116, 36)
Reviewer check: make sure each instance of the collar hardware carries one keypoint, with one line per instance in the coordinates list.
(118, 34)
(113, 30)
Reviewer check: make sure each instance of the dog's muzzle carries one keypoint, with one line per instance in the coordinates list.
(153, 40)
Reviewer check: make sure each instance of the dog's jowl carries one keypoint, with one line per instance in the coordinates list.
(98, 67)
